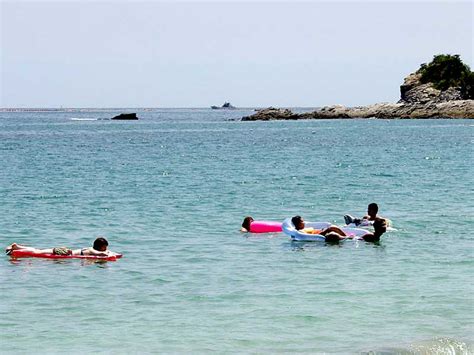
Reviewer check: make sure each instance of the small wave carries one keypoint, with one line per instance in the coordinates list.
(382, 174)
(446, 346)
(432, 158)
(83, 119)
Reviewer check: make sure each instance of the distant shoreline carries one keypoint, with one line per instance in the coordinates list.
(88, 109)
(457, 109)
(104, 109)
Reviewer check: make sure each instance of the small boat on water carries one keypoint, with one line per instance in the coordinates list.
(226, 106)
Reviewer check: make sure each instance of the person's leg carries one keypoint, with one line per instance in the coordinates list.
(349, 219)
(16, 246)
(43, 251)
(334, 229)
(333, 237)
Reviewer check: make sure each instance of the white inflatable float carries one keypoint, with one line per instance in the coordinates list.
(368, 225)
(296, 235)
(363, 224)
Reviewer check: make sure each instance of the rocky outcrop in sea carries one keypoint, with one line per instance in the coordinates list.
(417, 100)
(225, 106)
(125, 116)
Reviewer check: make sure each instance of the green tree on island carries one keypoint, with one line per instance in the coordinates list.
(447, 71)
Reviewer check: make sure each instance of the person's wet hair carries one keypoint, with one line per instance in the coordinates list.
(373, 207)
(246, 223)
(296, 220)
(100, 243)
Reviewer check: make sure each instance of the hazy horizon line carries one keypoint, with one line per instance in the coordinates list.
(146, 108)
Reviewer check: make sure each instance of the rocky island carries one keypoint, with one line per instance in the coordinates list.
(125, 116)
(225, 106)
(443, 88)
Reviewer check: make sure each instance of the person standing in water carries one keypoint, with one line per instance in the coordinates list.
(380, 227)
(372, 210)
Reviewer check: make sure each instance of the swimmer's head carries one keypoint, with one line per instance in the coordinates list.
(298, 222)
(100, 244)
(246, 223)
(372, 210)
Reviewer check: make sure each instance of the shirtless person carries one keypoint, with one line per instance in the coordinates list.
(380, 227)
(372, 210)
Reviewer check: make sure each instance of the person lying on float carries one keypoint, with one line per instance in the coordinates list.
(99, 248)
(249, 225)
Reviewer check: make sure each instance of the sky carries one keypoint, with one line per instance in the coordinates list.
(197, 54)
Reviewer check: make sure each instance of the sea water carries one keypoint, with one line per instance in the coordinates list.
(170, 191)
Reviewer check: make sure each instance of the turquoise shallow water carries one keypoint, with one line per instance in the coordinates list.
(170, 192)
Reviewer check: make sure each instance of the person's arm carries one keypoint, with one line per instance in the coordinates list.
(92, 251)
(112, 253)
(371, 238)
